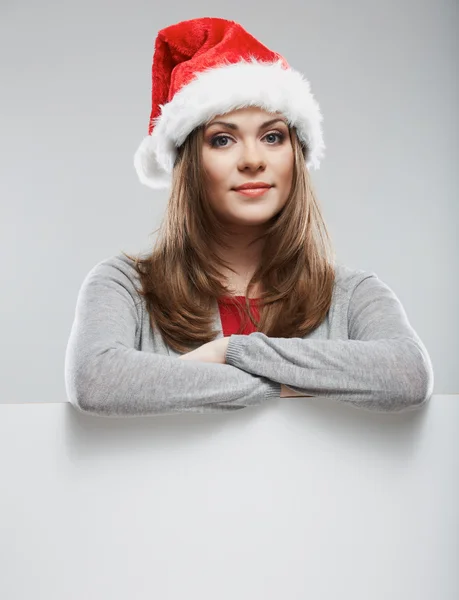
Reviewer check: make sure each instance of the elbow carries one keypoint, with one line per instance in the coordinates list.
(424, 377)
(424, 388)
(81, 400)
(79, 392)
(82, 403)
(414, 382)
(419, 385)
(87, 389)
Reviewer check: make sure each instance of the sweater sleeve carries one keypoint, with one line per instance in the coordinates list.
(107, 376)
(383, 366)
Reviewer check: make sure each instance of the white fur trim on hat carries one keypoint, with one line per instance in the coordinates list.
(220, 90)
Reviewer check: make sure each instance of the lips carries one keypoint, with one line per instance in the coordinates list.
(256, 185)
(254, 192)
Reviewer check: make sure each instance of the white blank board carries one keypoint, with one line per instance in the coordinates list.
(297, 498)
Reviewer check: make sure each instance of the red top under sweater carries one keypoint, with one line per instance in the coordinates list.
(230, 317)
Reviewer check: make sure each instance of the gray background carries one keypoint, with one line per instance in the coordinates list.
(75, 104)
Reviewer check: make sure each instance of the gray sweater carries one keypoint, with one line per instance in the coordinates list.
(364, 353)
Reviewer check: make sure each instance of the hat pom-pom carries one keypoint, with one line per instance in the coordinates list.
(147, 166)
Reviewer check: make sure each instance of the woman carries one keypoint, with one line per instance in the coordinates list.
(242, 286)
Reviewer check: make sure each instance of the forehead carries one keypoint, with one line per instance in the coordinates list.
(246, 115)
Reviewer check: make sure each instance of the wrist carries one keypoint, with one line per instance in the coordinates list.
(224, 347)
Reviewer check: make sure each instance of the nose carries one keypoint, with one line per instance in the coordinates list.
(251, 158)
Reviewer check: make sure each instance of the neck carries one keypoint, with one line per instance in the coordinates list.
(242, 257)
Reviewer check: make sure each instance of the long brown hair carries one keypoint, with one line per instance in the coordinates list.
(181, 280)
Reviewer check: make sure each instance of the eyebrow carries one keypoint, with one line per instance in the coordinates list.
(235, 127)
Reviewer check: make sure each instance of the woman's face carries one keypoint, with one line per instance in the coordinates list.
(241, 147)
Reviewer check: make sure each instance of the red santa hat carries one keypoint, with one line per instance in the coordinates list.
(209, 66)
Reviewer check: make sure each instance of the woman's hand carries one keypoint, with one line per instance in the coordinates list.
(287, 392)
(214, 351)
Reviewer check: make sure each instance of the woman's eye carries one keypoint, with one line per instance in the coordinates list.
(274, 136)
(213, 141)
(277, 135)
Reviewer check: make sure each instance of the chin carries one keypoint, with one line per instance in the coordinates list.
(252, 222)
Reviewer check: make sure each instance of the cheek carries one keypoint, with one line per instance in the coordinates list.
(284, 161)
(285, 171)
(217, 170)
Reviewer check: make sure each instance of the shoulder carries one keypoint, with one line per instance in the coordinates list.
(347, 278)
(365, 291)
(117, 262)
(114, 271)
